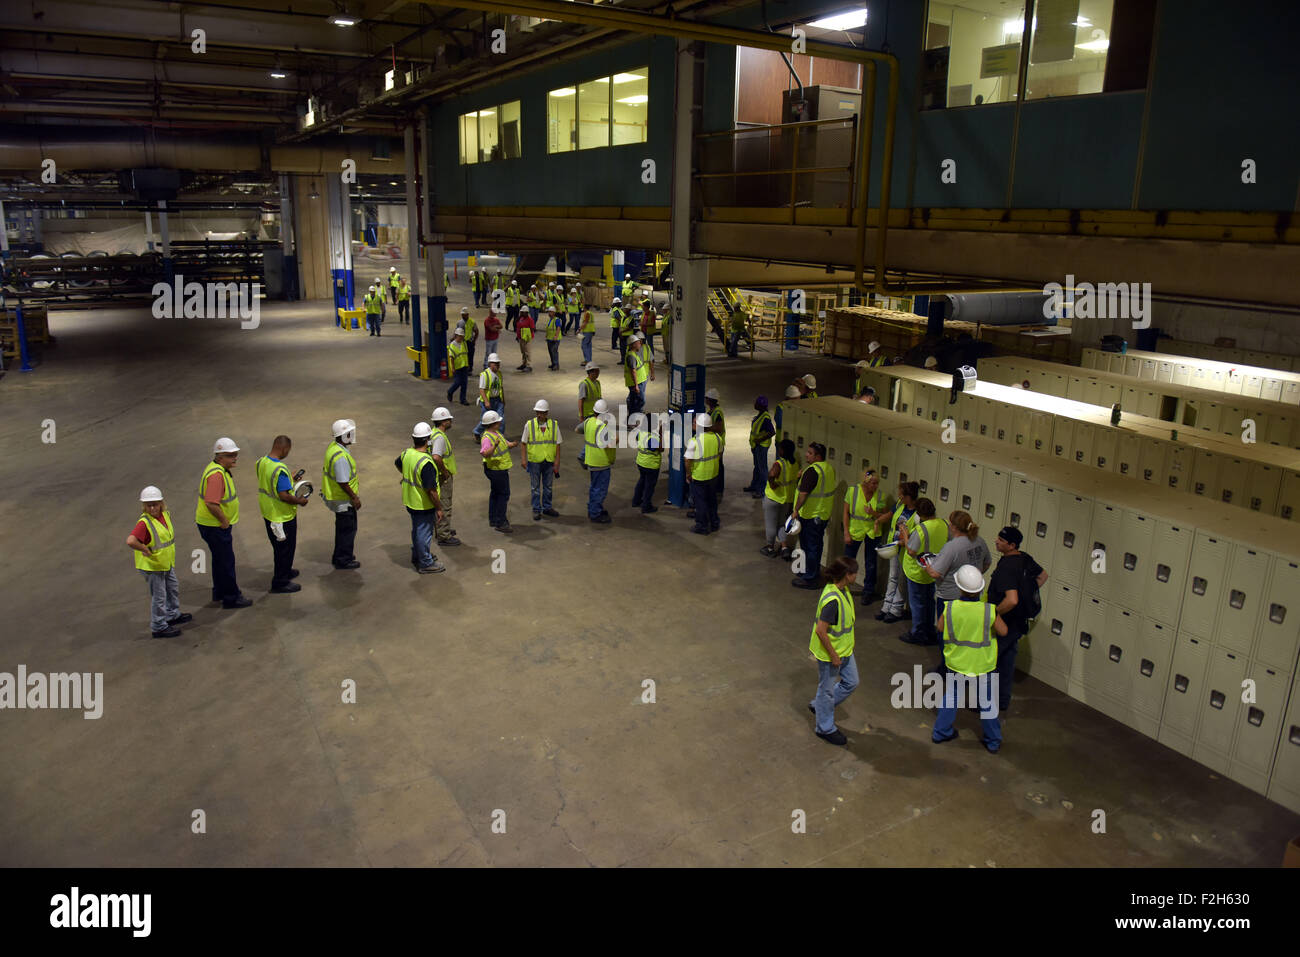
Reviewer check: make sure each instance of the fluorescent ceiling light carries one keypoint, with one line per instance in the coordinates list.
(567, 91)
(1082, 21)
(626, 77)
(343, 20)
(841, 21)
(639, 98)
(1095, 46)
(486, 113)
(278, 74)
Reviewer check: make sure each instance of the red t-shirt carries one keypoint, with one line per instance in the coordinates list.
(492, 326)
(141, 531)
(525, 321)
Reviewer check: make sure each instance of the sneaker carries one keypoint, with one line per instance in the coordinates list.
(912, 639)
(537, 516)
(550, 513)
(801, 583)
(449, 541)
(882, 616)
(180, 619)
(433, 569)
(602, 519)
(891, 619)
(768, 550)
(240, 602)
(288, 588)
(835, 737)
(990, 748)
(168, 632)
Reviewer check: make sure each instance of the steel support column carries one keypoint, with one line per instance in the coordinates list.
(338, 210)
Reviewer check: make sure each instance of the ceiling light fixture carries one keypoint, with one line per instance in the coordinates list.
(1094, 46)
(841, 21)
(567, 91)
(639, 98)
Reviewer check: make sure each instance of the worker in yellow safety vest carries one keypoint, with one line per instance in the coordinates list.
(420, 495)
(598, 455)
(374, 306)
(649, 459)
(495, 450)
(340, 488)
(832, 643)
(458, 360)
(279, 506)
(971, 629)
(444, 459)
(865, 513)
(394, 279)
(761, 431)
(154, 542)
(541, 458)
(403, 301)
(553, 332)
(926, 536)
(778, 499)
(615, 322)
(216, 515)
(513, 300)
(712, 405)
(703, 468)
(813, 506)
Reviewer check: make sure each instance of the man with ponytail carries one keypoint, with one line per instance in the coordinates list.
(832, 644)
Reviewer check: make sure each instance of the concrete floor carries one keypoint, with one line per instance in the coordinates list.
(479, 691)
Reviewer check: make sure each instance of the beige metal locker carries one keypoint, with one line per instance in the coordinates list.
(1220, 706)
(1105, 446)
(950, 471)
(992, 503)
(1278, 638)
(1178, 466)
(1205, 474)
(1259, 726)
(906, 396)
(1128, 455)
(869, 450)
(1071, 553)
(1166, 572)
(1083, 388)
(1041, 536)
(968, 488)
(1253, 385)
(1290, 392)
(1107, 535)
(1146, 369)
(1149, 672)
(1207, 570)
(1119, 651)
(1054, 635)
(1180, 718)
(1062, 444)
(1084, 439)
(1242, 598)
(1234, 481)
(1272, 390)
(1164, 371)
(927, 473)
(1288, 498)
(1263, 484)
(967, 412)
(1020, 503)
(1040, 432)
(832, 436)
(1088, 657)
(1284, 784)
(1130, 563)
(1234, 382)
(1182, 373)
(1152, 456)
(1200, 414)
(889, 459)
(905, 460)
(986, 416)
(1005, 423)
(1022, 433)
(1276, 428)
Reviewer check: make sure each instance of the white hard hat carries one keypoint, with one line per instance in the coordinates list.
(392, 269)
(422, 430)
(862, 364)
(792, 526)
(542, 406)
(616, 301)
(712, 394)
(810, 381)
(552, 286)
(791, 392)
(464, 310)
(931, 362)
(550, 308)
(873, 346)
(341, 427)
(514, 282)
(224, 445)
(969, 579)
(559, 285)
(493, 358)
(703, 420)
(491, 418)
(151, 493)
(601, 407)
(460, 329)
(592, 367)
(441, 414)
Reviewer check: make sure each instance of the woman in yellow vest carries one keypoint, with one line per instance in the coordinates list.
(587, 329)
(154, 542)
(832, 644)
(778, 497)
(892, 608)
(927, 536)
(971, 629)
(865, 512)
(495, 449)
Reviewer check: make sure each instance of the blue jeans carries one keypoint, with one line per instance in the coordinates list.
(866, 567)
(704, 498)
(644, 493)
(920, 598)
(541, 475)
(650, 343)
(372, 323)
(164, 598)
(421, 536)
(1007, 664)
(833, 686)
(599, 489)
(494, 405)
(459, 380)
(498, 496)
(586, 346)
(975, 691)
(811, 533)
(572, 324)
(553, 347)
(759, 480)
(733, 340)
(487, 351)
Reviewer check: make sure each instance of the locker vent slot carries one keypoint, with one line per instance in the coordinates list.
(1277, 614)
(1067, 539)
(1162, 573)
(1181, 683)
(1255, 716)
(1147, 667)
(1217, 698)
(1057, 626)
(1015, 519)
(1237, 599)
(1199, 585)
(1116, 652)
(1085, 640)
(1041, 529)
(1130, 561)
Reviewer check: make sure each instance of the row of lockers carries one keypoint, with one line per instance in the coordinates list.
(1228, 590)
(1253, 357)
(1275, 423)
(1174, 578)
(1173, 686)
(1257, 478)
(1274, 385)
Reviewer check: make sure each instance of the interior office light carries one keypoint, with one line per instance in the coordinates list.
(842, 21)
(567, 91)
(639, 98)
(1095, 46)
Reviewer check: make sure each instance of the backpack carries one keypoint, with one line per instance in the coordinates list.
(1029, 603)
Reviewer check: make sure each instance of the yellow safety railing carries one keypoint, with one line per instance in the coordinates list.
(350, 319)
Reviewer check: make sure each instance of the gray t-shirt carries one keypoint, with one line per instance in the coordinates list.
(958, 552)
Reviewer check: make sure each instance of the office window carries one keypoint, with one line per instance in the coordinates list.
(561, 129)
(490, 134)
(1067, 56)
(606, 111)
(983, 51)
(631, 109)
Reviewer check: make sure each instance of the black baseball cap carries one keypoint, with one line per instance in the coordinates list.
(1011, 535)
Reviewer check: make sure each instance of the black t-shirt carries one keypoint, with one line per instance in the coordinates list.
(1006, 577)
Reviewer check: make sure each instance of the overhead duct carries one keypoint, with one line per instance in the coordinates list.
(998, 308)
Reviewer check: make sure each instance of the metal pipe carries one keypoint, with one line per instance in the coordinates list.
(1022, 77)
(865, 131)
(606, 15)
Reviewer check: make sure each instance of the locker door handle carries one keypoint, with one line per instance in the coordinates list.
(1057, 626)
(944, 493)
(1181, 683)
(1199, 585)
(1162, 573)
(924, 485)
(1237, 599)
(1146, 667)
(1041, 529)
(1015, 519)
(1116, 652)
(1217, 698)
(1294, 734)
(1255, 716)
(1277, 614)
(1067, 540)
(1130, 561)
(1085, 640)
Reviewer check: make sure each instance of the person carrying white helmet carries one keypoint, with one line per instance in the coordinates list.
(541, 458)
(154, 542)
(599, 450)
(279, 501)
(216, 515)
(341, 490)
(420, 495)
(445, 460)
